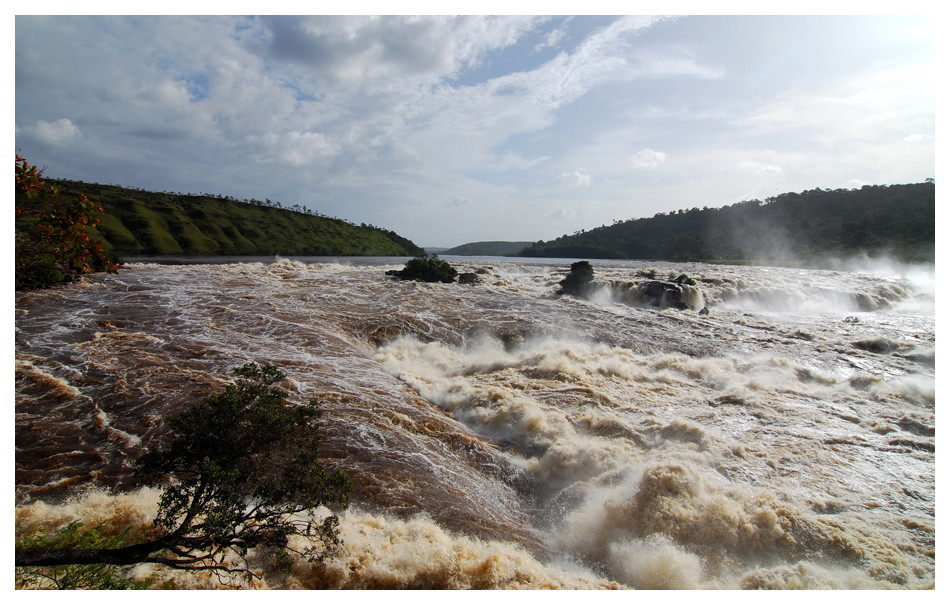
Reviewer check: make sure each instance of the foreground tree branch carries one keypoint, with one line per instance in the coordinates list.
(129, 555)
(241, 472)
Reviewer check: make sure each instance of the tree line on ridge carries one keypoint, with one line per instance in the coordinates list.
(897, 220)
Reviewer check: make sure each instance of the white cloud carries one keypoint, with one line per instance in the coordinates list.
(302, 148)
(294, 147)
(578, 178)
(752, 167)
(453, 128)
(513, 161)
(562, 214)
(647, 158)
(671, 62)
(551, 39)
(877, 105)
(60, 133)
(389, 51)
(168, 93)
(525, 101)
(916, 138)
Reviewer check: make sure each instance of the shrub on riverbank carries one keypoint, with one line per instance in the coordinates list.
(53, 232)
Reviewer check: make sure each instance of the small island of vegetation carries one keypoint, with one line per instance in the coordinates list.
(427, 269)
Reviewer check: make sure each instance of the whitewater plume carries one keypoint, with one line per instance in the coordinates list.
(501, 436)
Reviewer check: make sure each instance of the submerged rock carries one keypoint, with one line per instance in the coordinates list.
(880, 345)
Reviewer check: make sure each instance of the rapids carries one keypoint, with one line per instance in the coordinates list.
(499, 436)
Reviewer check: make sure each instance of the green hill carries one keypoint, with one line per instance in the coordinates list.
(486, 249)
(896, 220)
(136, 222)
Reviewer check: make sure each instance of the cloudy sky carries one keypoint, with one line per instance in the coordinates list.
(456, 129)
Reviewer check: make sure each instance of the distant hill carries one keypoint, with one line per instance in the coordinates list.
(896, 220)
(136, 222)
(487, 249)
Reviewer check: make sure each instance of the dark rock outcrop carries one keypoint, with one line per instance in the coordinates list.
(663, 294)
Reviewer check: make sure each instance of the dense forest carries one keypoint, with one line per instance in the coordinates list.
(136, 222)
(897, 220)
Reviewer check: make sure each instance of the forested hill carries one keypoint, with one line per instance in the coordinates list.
(897, 220)
(136, 222)
(486, 249)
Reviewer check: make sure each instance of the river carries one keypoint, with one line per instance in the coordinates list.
(500, 436)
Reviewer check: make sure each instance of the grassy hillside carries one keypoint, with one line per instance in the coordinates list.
(487, 249)
(896, 220)
(136, 222)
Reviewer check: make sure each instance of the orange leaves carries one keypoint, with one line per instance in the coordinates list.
(29, 181)
(53, 242)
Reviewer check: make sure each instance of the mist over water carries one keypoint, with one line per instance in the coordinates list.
(502, 437)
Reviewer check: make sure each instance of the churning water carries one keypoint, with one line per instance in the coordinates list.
(500, 436)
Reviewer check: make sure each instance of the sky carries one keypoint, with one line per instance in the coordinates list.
(450, 130)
